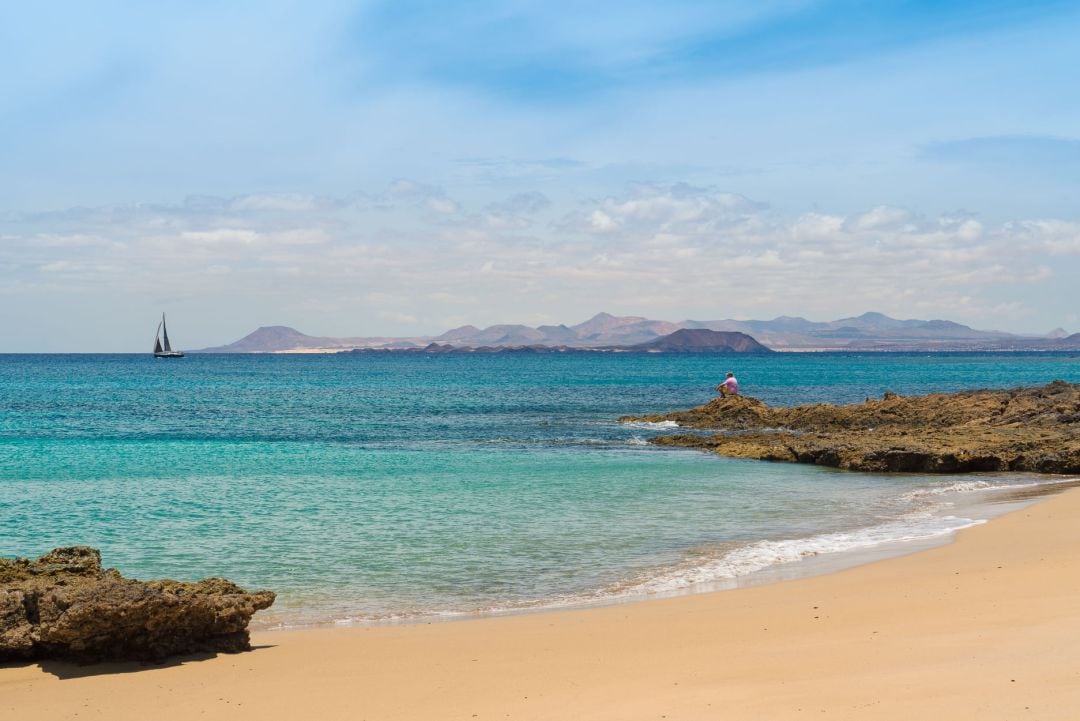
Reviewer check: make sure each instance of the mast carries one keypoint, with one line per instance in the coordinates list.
(165, 332)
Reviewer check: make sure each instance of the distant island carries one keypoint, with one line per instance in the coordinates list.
(608, 333)
(681, 341)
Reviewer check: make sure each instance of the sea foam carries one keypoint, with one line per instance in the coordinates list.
(762, 555)
(654, 425)
(980, 485)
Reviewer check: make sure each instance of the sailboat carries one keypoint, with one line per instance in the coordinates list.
(165, 351)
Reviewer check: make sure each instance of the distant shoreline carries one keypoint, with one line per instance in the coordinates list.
(870, 332)
(570, 351)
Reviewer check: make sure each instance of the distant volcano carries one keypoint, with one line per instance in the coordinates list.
(701, 340)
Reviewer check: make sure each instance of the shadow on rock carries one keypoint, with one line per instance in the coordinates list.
(64, 606)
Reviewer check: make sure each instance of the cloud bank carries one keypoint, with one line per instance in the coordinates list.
(412, 259)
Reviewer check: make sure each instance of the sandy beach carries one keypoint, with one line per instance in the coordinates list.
(987, 627)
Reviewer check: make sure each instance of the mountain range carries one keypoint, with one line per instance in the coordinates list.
(869, 331)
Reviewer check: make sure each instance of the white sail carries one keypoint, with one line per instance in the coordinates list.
(164, 350)
(165, 333)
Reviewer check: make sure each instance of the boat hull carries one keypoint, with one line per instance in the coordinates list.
(169, 354)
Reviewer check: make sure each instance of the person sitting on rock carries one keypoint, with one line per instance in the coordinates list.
(730, 387)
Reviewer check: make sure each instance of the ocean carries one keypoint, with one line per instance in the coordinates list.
(367, 488)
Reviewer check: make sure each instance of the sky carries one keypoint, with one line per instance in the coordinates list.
(401, 168)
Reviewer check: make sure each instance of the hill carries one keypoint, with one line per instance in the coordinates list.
(276, 337)
(283, 339)
(701, 340)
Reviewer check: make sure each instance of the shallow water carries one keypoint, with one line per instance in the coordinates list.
(373, 487)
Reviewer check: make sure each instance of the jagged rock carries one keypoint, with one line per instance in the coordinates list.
(1024, 429)
(65, 606)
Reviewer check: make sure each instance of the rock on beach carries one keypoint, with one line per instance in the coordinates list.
(64, 605)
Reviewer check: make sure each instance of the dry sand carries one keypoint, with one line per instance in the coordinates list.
(985, 628)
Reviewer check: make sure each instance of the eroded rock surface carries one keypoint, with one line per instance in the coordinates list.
(1024, 429)
(65, 606)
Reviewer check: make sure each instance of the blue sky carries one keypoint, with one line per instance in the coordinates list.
(396, 168)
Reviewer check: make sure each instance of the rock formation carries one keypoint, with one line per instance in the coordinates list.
(65, 606)
(1025, 429)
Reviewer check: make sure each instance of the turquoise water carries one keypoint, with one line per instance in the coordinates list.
(369, 487)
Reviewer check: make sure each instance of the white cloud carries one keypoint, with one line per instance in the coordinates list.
(1041, 272)
(221, 235)
(77, 240)
(882, 217)
(300, 236)
(77, 267)
(504, 221)
(601, 222)
(442, 205)
(521, 203)
(653, 209)
(768, 259)
(1056, 237)
(452, 299)
(399, 317)
(675, 251)
(286, 201)
(969, 230)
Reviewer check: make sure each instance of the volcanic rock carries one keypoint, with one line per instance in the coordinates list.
(65, 606)
(1023, 429)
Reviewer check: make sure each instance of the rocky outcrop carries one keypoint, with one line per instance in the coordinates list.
(65, 606)
(1025, 429)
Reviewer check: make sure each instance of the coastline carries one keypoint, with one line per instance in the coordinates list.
(748, 564)
(983, 627)
(1015, 429)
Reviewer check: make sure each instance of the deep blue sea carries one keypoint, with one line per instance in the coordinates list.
(372, 487)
